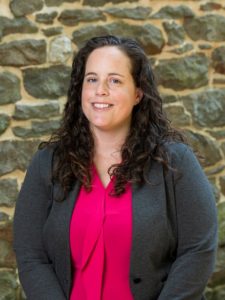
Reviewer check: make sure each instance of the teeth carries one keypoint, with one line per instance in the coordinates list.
(101, 105)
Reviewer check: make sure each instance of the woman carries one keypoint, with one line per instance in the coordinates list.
(115, 205)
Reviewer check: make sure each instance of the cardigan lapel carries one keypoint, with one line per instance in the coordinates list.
(148, 207)
(63, 212)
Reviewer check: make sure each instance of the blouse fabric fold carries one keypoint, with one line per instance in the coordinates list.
(100, 241)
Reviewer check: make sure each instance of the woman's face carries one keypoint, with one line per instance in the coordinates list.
(109, 92)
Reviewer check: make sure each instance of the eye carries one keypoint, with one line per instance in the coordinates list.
(115, 81)
(91, 79)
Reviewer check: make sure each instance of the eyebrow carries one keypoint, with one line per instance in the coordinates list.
(110, 74)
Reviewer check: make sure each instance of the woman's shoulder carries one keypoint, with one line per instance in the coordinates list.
(176, 148)
(44, 152)
(176, 151)
(43, 157)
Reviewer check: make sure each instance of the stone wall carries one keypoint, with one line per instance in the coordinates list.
(185, 41)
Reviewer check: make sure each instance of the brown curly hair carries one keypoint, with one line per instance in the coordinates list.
(149, 131)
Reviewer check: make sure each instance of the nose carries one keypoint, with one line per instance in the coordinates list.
(102, 89)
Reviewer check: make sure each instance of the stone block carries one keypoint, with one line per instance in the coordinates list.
(136, 13)
(209, 6)
(8, 285)
(206, 147)
(47, 83)
(207, 107)
(9, 88)
(37, 129)
(103, 2)
(4, 122)
(182, 49)
(173, 12)
(17, 25)
(23, 53)
(52, 31)
(222, 184)
(16, 154)
(46, 18)
(73, 17)
(58, 2)
(210, 27)
(60, 49)
(175, 32)
(24, 7)
(36, 111)
(183, 73)
(8, 192)
(7, 256)
(177, 116)
(218, 58)
(149, 36)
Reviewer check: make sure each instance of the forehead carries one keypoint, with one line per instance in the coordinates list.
(108, 56)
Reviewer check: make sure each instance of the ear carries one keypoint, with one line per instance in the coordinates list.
(139, 95)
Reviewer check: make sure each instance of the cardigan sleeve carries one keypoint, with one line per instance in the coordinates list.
(36, 272)
(196, 232)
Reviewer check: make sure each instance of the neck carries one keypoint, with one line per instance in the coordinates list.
(109, 143)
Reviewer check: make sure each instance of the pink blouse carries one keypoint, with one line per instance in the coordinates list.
(100, 241)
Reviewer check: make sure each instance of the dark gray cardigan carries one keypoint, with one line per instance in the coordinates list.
(173, 240)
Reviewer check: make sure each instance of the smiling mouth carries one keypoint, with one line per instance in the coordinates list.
(102, 105)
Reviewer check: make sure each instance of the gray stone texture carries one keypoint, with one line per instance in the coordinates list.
(73, 17)
(46, 18)
(136, 13)
(52, 31)
(103, 2)
(25, 7)
(4, 217)
(7, 256)
(209, 6)
(206, 147)
(8, 285)
(175, 33)
(37, 129)
(208, 27)
(217, 293)
(215, 189)
(36, 111)
(16, 154)
(223, 147)
(9, 88)
(205, 46)
(217, 134)
(17, 25)
(169, 98)
(215, 170)
(47, 83)
(218, 276)
(183, 73)
(182, 49)
(60, 49)
(4, 122)
(177, 115)
(23, 53)
(222, 184)
(173, 12)
(207, 108)
(221, 220)
(58, 2)
(219, 80)
(149, 36)
(8, 192)
(218, 58)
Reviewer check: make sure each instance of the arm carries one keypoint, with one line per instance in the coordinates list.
(36, 272)
(197, 233)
